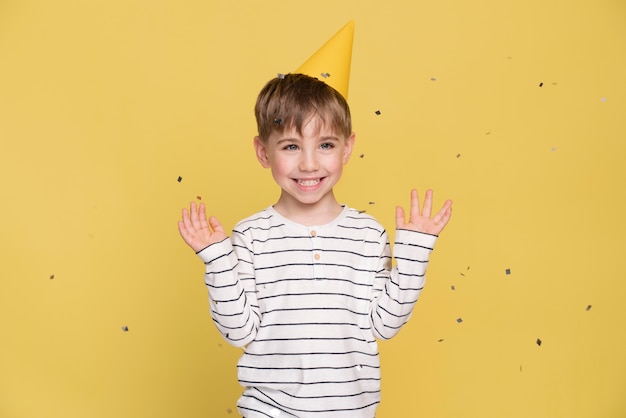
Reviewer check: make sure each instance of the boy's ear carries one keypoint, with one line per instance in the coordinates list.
(261, 152)
(349, 147)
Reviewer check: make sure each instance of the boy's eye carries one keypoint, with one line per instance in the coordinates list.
(291, 147)
(327, 145)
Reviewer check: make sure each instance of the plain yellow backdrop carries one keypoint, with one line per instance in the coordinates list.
(515, 110)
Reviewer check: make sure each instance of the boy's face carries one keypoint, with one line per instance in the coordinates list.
(305, 166)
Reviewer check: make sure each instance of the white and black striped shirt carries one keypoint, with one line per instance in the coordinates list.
(308, 304)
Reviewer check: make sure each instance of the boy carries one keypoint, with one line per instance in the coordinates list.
(306, 285)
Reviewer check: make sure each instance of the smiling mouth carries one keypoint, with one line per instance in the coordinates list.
(309, 182)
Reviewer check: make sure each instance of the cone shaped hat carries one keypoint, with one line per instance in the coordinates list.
(331, 63)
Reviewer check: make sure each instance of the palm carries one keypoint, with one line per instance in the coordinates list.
(198, 231)
(420, 218)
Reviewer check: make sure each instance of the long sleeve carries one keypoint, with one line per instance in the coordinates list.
(397, 290)
(232, 295)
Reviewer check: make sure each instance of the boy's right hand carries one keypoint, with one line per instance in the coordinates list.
(197, 232)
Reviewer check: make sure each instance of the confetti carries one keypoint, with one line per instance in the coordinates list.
(459, 320)
(180, 179)
(540, 84)
(440, 340)
(588, 307)
(281, 76)
(372, 203)
(325, 75)
(277, 121)
(507, 271)
(487, 133)
(462, 274)
(458, 155)
(538, 342)
(362, 155)
(229, 411)
(433, 79)
(452, 287)
(377, 112)
(51, 276)
(125, 328)
(199, 197)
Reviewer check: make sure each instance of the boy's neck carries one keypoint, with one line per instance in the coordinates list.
(320, 213)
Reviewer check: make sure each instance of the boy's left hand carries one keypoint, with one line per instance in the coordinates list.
(419, 219)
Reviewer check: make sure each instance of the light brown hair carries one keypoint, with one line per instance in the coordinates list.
(291, 100)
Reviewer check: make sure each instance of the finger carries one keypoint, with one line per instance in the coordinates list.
(193, 209)
(202, 217)
(216, 225)
(415, 206)
(428, 203)
(186, 219)
(443, 216)
(399, 217)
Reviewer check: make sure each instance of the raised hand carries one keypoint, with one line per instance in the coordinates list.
(197, 231)
(419, 219)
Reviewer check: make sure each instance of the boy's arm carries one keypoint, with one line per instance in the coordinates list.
(397, 290)
(232, 295)
(401, 286)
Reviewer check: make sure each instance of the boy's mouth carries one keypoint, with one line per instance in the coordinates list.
(308, 182)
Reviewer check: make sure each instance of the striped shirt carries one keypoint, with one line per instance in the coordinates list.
(308, 304)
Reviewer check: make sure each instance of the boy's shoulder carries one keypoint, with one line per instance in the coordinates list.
(262, 218)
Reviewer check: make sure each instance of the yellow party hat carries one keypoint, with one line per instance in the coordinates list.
(331, 63)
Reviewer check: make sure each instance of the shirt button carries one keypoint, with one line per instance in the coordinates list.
(316, 256)
(313, 233)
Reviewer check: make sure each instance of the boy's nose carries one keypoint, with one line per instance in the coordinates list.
(308, 162)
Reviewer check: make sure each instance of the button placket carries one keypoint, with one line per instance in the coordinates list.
(317, 268)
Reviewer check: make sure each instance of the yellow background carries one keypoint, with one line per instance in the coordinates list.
(104, 104)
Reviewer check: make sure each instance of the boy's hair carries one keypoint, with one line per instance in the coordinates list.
(291, 100)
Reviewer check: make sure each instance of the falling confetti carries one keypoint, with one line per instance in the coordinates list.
(199, 197)
(433, 79)
(125, 328)
(440, 340)
(538, 342)
(180, 179)
(325, 75)
(51, 276)
(281, 76)
(588, 307)
(377, 112)
(458, 155)
(540, 84)
(452, 287)
(362, 155)
(372, 203)
(459, 320)
(508, 271)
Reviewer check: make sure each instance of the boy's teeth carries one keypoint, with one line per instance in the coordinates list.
(308, 182)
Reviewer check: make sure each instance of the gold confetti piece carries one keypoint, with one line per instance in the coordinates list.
(362, 155)
(199, 197)
(125, 328)
(459, 320)
(180, 179)
(507, 271)
(377, 112)
(538, 342)
(588, 307)
(51, 276)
